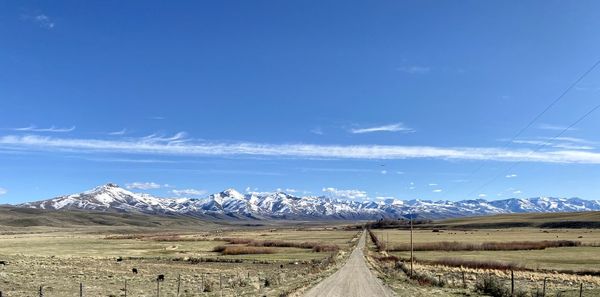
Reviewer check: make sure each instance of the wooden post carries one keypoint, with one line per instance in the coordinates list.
(80, 289)
(411, 246)
(178, 284)
(157, 288)
(512, 283)
(544, 288)
(440, 279)
(202, 282)
(581, 290)
(125, 288)
(41, 291)
(463, 279)
(221, 284)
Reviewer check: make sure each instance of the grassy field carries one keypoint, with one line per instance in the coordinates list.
(60, 250)
(589, 219)
(560, 266)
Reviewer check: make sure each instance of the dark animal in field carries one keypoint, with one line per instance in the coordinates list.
(119, 259)
(3, 263)
(134, 270)
(160, 278)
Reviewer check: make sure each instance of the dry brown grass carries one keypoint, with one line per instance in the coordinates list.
(315, 246)
(378, 243)
(243, 250)
(475, 264)
(485, 246)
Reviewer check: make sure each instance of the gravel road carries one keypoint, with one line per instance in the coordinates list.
(353, 279)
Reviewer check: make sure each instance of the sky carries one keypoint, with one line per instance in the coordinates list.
(350, 99)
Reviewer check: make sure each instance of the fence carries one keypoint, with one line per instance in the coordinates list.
(490, 284)
(204, 284)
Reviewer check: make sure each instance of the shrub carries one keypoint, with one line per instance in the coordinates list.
(246, 250)
(486, 246)
(378, 243)
(219, 249)
(475, 264)
(492, 286)
(315, 246)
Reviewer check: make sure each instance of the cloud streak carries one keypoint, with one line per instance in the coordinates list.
(188, 192)
(143, 186)
(180, 146)
(397, 127)
(3, 191)
(41, 20)
(348, 194)
(52, 129)
(552, 127)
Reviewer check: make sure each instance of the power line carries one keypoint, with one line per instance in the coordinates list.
(567, 90)
(513, 165)
(544, 111)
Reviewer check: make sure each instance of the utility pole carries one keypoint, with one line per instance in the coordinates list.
(411, 245)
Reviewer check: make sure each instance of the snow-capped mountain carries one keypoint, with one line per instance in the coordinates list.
(278, 205)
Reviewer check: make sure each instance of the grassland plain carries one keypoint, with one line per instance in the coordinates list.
(561, 266)
(60, 258)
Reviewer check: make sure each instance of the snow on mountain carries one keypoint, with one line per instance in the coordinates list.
(278, 205)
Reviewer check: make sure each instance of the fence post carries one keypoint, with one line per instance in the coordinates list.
(125, 288)
(581, 290)
(157, 288)
(178, 283)
(221, 284)
(544, 288)
(411, 246)
(202, 282)
(463, 279)
(512, 283)
(41, 291)
(80, 289)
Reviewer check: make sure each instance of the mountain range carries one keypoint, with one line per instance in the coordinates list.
(231, 204)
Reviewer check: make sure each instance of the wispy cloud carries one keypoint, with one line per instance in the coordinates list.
(143, 185)
(158, 118)
(437, 191)
(397, 127)
(188, 192)
(181, 146)
(511, 175)
(517, 192)
(482, 195)
(41, 20)
(433, 184)
(317, 131)
(359, 170)
(117, 133)
(348, 194)
(52, 129)
(3, 191)
(414, 69)
(553, 127)
(571, 143)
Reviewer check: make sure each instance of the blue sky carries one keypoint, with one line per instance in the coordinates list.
(405, 99)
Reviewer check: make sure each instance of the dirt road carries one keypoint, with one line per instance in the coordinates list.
(353, 279)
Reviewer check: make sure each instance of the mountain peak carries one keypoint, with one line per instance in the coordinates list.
(232, 204)
(233, 193)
